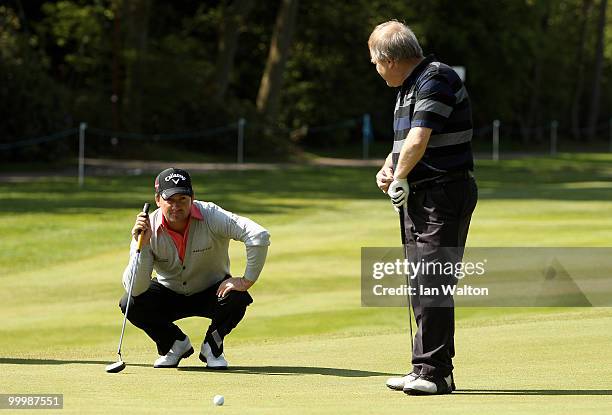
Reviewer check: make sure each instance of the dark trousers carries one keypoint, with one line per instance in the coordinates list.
(156, 310)
(437, 226)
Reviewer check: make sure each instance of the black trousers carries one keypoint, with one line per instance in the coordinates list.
(156, 310)
(437, 226)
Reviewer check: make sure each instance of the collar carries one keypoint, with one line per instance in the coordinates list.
(194, 213)
(417, 71)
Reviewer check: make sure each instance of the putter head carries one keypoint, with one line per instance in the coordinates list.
(115, 367)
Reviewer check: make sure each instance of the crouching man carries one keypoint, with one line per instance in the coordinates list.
(186, 242)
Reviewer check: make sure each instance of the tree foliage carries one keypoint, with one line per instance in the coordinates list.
(148, 66)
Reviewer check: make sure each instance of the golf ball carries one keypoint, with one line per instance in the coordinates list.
(218, 400)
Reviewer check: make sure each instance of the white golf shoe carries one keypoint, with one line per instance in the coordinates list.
(179, 350)
(429, 385)
(398, 383)
(212, 362)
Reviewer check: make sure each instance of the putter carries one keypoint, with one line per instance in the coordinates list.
(120, 365)
(402, 214)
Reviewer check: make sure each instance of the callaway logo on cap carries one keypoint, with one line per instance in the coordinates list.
(173, 181)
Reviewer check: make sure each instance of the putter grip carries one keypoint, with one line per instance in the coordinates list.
(145, 209)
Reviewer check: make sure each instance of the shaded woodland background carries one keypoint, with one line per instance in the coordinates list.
(297, 71)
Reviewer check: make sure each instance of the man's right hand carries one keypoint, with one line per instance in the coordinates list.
(384, 177)
(143, 224)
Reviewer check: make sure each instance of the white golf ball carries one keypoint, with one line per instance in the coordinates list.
(218, 400)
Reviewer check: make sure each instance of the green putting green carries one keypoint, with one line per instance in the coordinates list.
(306, 345)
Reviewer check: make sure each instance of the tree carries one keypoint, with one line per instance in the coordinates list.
(152, 66)
(233, 18)
(533, 117)
(579, 85)
(136, 14)
(117, 53)
(593, 114)
(268, 97)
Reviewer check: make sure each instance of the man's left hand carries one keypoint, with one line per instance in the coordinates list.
(398, 192)
(233, 284)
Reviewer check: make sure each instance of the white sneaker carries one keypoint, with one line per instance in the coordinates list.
(179, 350)
(429, 385)
(398, 383)
(212, 362)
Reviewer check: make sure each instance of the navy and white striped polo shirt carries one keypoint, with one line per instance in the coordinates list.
(433, 96)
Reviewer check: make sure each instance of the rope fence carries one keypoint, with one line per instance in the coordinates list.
(239, 128)
(38, 140)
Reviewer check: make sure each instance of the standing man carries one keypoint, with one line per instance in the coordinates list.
(186, 242)
(428, 177)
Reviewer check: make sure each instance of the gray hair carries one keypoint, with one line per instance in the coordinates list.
(393, 40)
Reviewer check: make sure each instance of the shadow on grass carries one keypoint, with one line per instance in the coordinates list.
(244, 370)
(563, 178)
(33, 362)
(284, 190)
(294, 370)
(245, 192)
(535, 392)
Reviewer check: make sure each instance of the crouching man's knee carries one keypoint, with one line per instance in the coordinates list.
(123, 303)
(236, 299)
(137, 311)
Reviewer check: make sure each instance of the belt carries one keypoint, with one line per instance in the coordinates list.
(454, 176)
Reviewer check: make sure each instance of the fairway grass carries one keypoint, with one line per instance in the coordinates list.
(306, 345)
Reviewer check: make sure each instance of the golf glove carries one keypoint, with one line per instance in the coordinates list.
(398, 192)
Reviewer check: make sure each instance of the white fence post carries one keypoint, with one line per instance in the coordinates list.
(241, 125)
(82, 128)
(495, 155)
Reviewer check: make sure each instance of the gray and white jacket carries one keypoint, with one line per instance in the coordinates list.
(206, 260)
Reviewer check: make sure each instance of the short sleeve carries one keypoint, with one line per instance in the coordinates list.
(434, 103)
